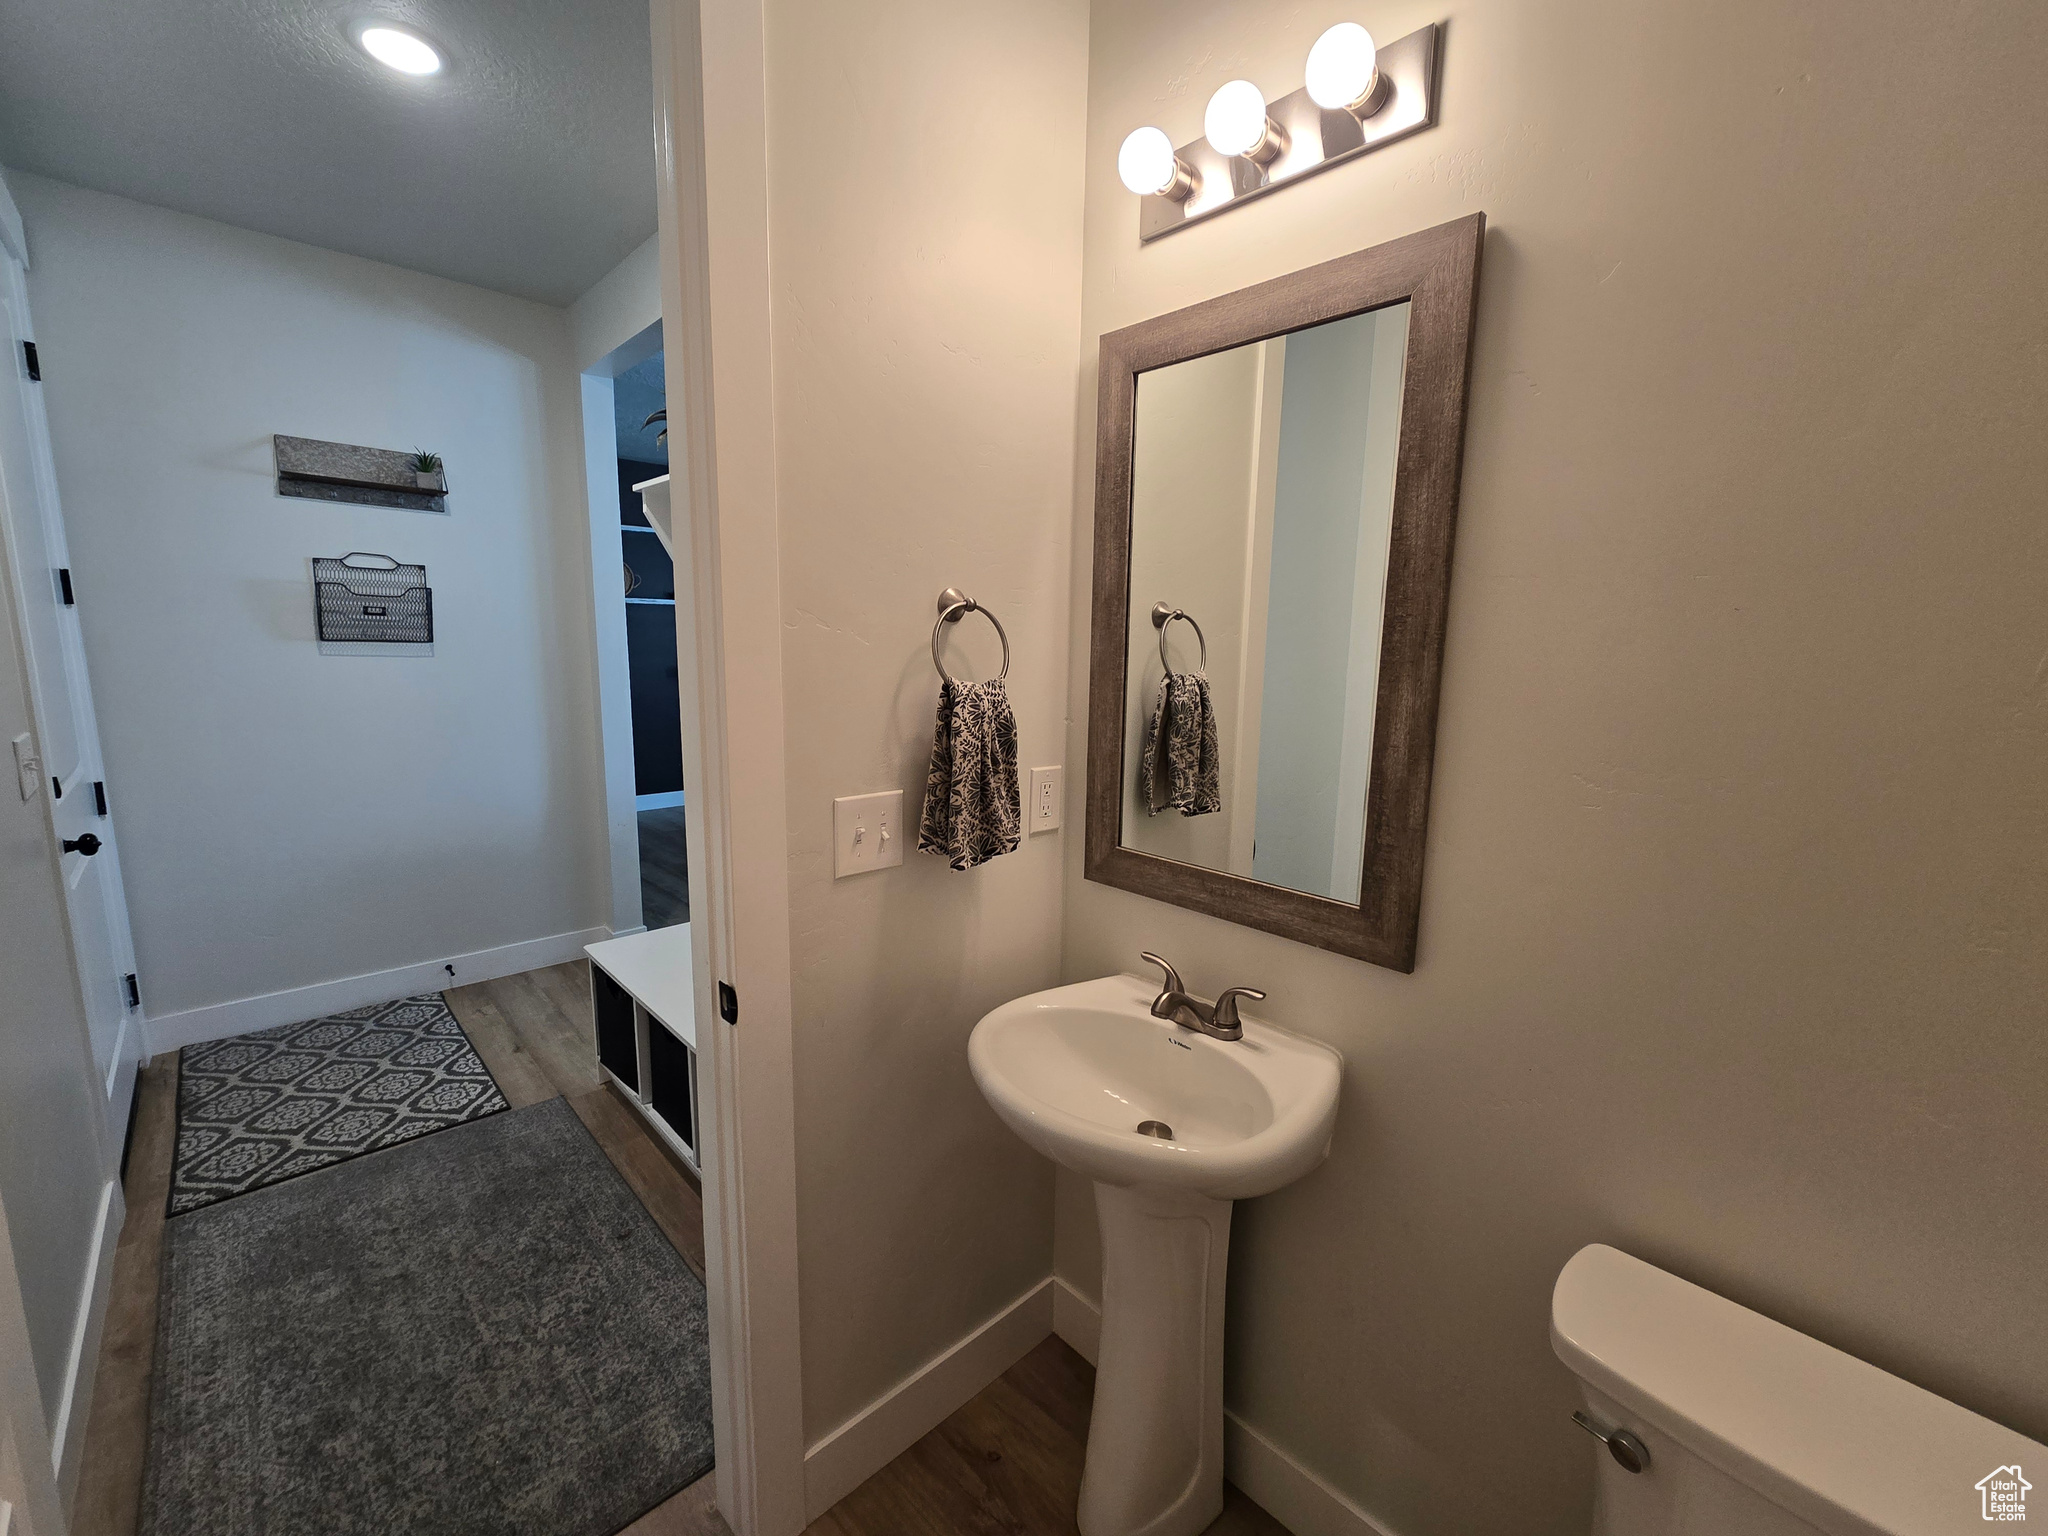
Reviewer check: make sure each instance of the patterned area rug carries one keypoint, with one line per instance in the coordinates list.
(261, 1108)
(479, 1333)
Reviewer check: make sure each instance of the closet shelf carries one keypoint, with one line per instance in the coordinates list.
(654, 497)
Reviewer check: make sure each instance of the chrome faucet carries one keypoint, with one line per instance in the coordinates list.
(1218, 1020)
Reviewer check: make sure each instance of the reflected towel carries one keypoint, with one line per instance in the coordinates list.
(973, 811)
(1179, 767)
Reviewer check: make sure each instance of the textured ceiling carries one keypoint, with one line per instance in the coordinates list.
(636, 392)
(527, 165)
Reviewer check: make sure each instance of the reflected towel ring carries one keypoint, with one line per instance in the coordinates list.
(1162, 615)
(952, 604)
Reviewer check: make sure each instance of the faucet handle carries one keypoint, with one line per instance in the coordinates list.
(1173, 981)
(1226, 1004)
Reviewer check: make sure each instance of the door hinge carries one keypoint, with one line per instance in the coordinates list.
(134, 990)
(728, 1003)
(35, 363)
(99, 796)
(64, 585)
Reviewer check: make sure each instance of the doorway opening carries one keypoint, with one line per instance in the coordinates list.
(635, 600)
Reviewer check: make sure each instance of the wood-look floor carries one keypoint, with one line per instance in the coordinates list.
(1008, 1462)
(664, 868)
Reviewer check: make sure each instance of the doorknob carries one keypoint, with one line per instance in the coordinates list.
(84, 843)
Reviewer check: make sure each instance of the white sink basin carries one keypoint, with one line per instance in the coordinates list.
(1075, 1072)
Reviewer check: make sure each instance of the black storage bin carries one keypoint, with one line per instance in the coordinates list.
(668, 1082)
(617, 1049)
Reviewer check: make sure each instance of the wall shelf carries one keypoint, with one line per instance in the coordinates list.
(313, 470)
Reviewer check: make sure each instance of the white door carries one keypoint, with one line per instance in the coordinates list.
(72, 780)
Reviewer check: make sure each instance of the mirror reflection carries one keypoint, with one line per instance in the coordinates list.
(1262, 495)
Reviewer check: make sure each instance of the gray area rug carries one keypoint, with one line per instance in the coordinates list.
(263, 1107)
(483, 1331)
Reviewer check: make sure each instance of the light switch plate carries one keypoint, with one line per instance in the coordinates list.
(1043, 812)
(867, 833)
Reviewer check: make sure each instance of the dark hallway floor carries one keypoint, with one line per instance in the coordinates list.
(664, 869)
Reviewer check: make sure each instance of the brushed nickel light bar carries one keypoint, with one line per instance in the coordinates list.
(1357, 98)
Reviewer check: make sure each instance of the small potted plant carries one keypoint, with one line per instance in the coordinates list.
(427, 473)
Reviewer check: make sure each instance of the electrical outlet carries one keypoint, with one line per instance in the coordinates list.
(1043, 813)
(867, 833)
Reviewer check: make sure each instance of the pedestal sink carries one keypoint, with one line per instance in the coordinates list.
(1172, 1126)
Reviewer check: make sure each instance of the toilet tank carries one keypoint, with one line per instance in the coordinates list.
(1754, 1429)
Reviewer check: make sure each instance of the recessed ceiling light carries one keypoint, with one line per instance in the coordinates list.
(396, 48)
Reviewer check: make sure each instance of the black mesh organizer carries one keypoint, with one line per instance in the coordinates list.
(372, 600)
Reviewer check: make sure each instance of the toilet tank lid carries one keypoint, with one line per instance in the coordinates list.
(1833, 1440)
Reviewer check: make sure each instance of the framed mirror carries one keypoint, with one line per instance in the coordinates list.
(1276, 485)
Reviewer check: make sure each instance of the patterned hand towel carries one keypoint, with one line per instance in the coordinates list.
(1179, 766)
(973, 811)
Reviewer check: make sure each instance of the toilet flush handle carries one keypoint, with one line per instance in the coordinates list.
(1624, 1447)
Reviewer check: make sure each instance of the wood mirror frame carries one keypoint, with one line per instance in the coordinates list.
(1437, 271)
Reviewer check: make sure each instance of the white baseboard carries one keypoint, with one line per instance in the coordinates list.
(903, 1415)
(218, 1021)
(1288, 1491)
(1267, 1475)
(1077, 1320)
(67, 1428)
(669, 800)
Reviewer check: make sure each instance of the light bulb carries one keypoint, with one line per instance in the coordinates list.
(1147, 163)
(1343, 68)
(1236, 121)
(403, 51)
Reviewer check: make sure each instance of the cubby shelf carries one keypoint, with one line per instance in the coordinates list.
(643, 1001)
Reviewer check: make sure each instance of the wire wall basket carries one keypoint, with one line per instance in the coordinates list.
(370, 604)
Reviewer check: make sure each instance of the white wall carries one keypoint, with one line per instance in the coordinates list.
(290, 818)
(1734, 933)
(926, 305)
(614, 328)
(620, 306)
(612, 659)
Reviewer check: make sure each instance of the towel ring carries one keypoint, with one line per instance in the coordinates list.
(1162, 616)
(952, 604)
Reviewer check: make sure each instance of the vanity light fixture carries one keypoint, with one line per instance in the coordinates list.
(1343, 73)
(1149, 166)
(1358, 97)
(1236, 124)
(398, 48)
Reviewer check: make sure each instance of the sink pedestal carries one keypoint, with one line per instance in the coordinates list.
(1155, 1440)
(1171, 1126)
